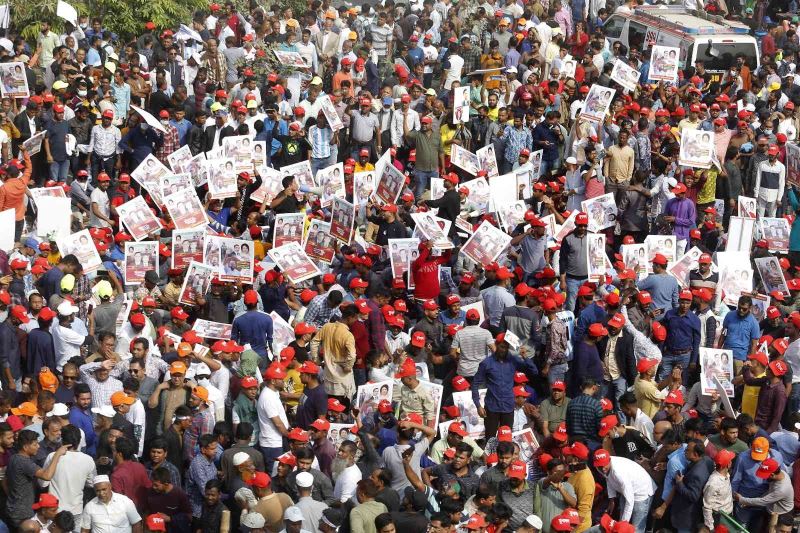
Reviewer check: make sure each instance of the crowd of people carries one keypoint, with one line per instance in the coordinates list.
(609, 344)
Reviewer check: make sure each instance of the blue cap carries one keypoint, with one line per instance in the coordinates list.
(746, 148)
(30, 242)
(387, 100)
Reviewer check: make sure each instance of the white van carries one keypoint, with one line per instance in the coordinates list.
(699, 36)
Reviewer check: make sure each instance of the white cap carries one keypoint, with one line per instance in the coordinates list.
(672, 182)
(511, 70)
(65, 308)
(293, 513)
(59, 409)
(253, 520)
(534, 521)
(106, 411)
(100, 479)
(572, 161)
(304, 480)
(201, 369)
(240, 458)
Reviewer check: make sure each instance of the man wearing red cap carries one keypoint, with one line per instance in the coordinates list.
(12, 193)
(429, 153)
(770, 182)
(682, 214)
(253, 327)
(574, 272)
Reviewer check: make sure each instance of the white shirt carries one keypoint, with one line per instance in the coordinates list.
(74, 472)
(454, 72)
(100, 197)
(67, 344)
(770, 194)
(429, 53)
(117, 516)
(269, 406)
(643, 425)
(396, 126)
(136, 416)
(345, 487)
(629, 480)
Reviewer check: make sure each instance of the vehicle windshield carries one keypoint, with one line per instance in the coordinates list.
(724, 54)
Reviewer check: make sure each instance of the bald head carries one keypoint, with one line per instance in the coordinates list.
(659, 428)
(29, 526)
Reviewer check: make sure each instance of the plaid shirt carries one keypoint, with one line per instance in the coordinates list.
(557, 341)
(101, 390)
(170, 142)
(472, 59)
(319, 313)
(202, 423)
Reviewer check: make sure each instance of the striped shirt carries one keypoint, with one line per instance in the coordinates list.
(103, 141)
(381, 37)
(320, 139)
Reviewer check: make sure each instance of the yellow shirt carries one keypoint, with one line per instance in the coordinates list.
(750, 397)
(446, 134)
(292, 384)
(583, 483)
(709, 190)
(53, 258)
(648, 397)
(363, 168)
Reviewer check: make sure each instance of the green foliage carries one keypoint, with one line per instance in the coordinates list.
(124, 17)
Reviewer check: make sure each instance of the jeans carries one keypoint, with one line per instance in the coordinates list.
(318, 163)
(557, 373)
(103, 164)
(751, 517)
(59, 170)
(641, 510)
(614, 390)
(572, 293)
(423, 178)
(270, 455)
(495, 420)
(547, 168)
(670, 361)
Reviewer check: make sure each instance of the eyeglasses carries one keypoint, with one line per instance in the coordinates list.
(65, 377)
(133, 370)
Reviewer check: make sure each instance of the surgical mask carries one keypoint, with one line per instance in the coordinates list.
(82, 94)
(767, 132)
(164, 122)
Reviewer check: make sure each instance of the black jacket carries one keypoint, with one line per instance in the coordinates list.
(626, 360)
(449, 208)
(211, 131)
(687, 505)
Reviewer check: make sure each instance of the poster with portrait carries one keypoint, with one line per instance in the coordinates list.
(34, 144)
(525, 179)
(741, 231)
(80, 245)
(138, 218)
(197, 169)
(339, 433)
(187, 246)
(769, 269)
(436, 392)
(568, 67)
(567, 227)
(172, 183)
(596, 256)
(186, 209)
(735, 276)
(319, 242)
(665, 245)
(235, 256)
(602, 211)
(479, 194)
(400, 252)
(288, 227)
(282, 333)
(503, 192)
(776, 232)
(240, 149)
(331, 181)
(390, 185)
(294, 262)
(747, 207)
(681, 268)
(427, 226)
(792, 163)
(625, 75)
(180, 158)
(635, 258)
(270, 187)
(527, 443)
(368, 397)
(468, 412)
(487, 160)
(511, 215)
(551, 227)
(149, 173)
(343, 215)
(597, 103)
(697, 146)
(719, 364)
(461, 105)
(363, 187)
(486, 244)
(54, 192)
(15, 81)
(664, 63)
(258, 154)
(221, 178)
(464, 159)
(329, 110)
(290, 59)
(196, 282)
(140, 258)
(212, 330)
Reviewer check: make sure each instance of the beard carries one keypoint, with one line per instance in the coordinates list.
(337, 467)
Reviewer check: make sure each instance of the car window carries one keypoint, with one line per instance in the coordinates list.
(613, 27)
(720, 56)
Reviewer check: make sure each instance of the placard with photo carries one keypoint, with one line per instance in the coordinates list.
(487, 160)
(625, 75)
(400, 251)
(719, 364)
(319, 242)
(329, 110)
(270, 187)
(635, 258)
(468, 413)
(294, 262)
(172, 183)
(368, 397)
(697, 148)
(363, 187)
(81, 245)
(597, 103)
(513, 214)
(665, 245)
(464, 159)
(180, 158)
(331, 181)
(288, 227)
(664, 63)
(212, 330)
(149, 173)
(681, 268)
(343, 216)
(187, 246)
(196, 282)
(427, 226)
(776, 232)
(186, 209)
(479, 194)
(602, 211)
(15, 80)
(486, 244)
(233, 258)
(221, 178)
(460, 105)
(140, 258)
(596, 257)
(390, 185)
(138, 218)
(735, 278)
(769, 269)
(240, 149)
(301, 172)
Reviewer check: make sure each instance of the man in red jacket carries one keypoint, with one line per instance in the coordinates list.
(425, 270)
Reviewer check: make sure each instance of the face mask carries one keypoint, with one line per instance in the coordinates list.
(143, 126)
(82, 94)
(164, 122)
(767, 132)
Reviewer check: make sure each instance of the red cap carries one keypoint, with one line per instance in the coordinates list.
(504, 434)
(460, 384)
(606, 424)
(674, 397)
(601, 458)
(335, 405)
(560, 434)
(578, 450)
(385, 407)
(685, 294)
(597, 330)
(660, 259)
(517, 469)
(767, 468)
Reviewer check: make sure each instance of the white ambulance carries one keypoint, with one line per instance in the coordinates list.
(698, 35)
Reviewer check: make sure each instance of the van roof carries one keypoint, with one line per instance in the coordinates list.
(691, 22)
